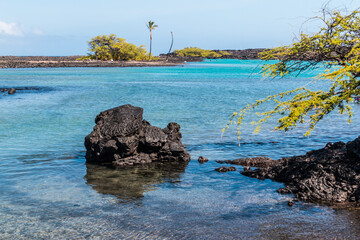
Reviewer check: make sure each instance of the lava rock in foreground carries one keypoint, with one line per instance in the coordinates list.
(329, 175)
(122, 138)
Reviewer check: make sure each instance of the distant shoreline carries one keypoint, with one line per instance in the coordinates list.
(244, 54)
(70, 61)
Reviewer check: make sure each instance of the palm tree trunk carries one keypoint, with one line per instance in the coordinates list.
(150, 44)
(172, 42)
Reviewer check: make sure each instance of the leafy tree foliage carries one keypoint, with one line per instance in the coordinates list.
(110, 47)
(336, 47)
(198, 52)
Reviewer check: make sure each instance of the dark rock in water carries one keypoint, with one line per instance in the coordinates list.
(122, 138)
(251, 162)
(11, 91)
(247, 168)
(202, 159)
(291, 203)
(225, 169)
(330, 175)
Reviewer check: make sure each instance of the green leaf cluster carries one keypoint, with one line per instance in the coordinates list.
(336, 46)
(110, 47)
(198, 52)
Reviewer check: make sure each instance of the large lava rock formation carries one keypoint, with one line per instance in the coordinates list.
(122, 138)
(330, 174)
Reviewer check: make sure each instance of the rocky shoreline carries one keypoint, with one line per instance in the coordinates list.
(70, 61)
(330, 175)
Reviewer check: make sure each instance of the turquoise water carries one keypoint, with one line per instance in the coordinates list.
(47, 190)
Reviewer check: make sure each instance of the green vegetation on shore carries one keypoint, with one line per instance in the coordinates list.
(336, 46)
(198, 52)
(112, 48)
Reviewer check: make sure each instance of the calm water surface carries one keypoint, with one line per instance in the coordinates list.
(47, 190)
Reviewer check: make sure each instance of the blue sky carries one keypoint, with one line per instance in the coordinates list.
(63, 27)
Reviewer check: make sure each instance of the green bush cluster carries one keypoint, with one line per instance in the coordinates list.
(110, 47)
(198, 52)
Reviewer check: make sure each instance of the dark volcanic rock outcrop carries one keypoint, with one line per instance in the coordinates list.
(329, 175)
(122, 138)
(251, 162)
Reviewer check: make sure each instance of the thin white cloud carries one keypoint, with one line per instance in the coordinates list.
(11, 29)
(37, 32)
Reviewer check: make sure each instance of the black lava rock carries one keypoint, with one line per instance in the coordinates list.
(225, 169)
(11, 91)
(330, 175)
(202, 159)
(122, 138)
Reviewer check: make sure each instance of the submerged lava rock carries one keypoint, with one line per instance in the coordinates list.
(225, 169)
(122, 138)
(202, 159)
(329, 175)
(12, 91)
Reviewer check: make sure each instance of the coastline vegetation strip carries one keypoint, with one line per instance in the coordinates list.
(198, 52)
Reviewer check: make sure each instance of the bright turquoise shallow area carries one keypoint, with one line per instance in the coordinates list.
(47, 190)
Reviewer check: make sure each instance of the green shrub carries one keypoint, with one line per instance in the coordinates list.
(110, 47)
(198, 52)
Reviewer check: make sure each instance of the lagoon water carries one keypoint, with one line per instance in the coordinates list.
(48, 192)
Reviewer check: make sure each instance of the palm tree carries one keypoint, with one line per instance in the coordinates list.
(151, 26)
(172, 42)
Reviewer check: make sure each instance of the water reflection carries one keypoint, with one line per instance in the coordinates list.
(129, 184)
